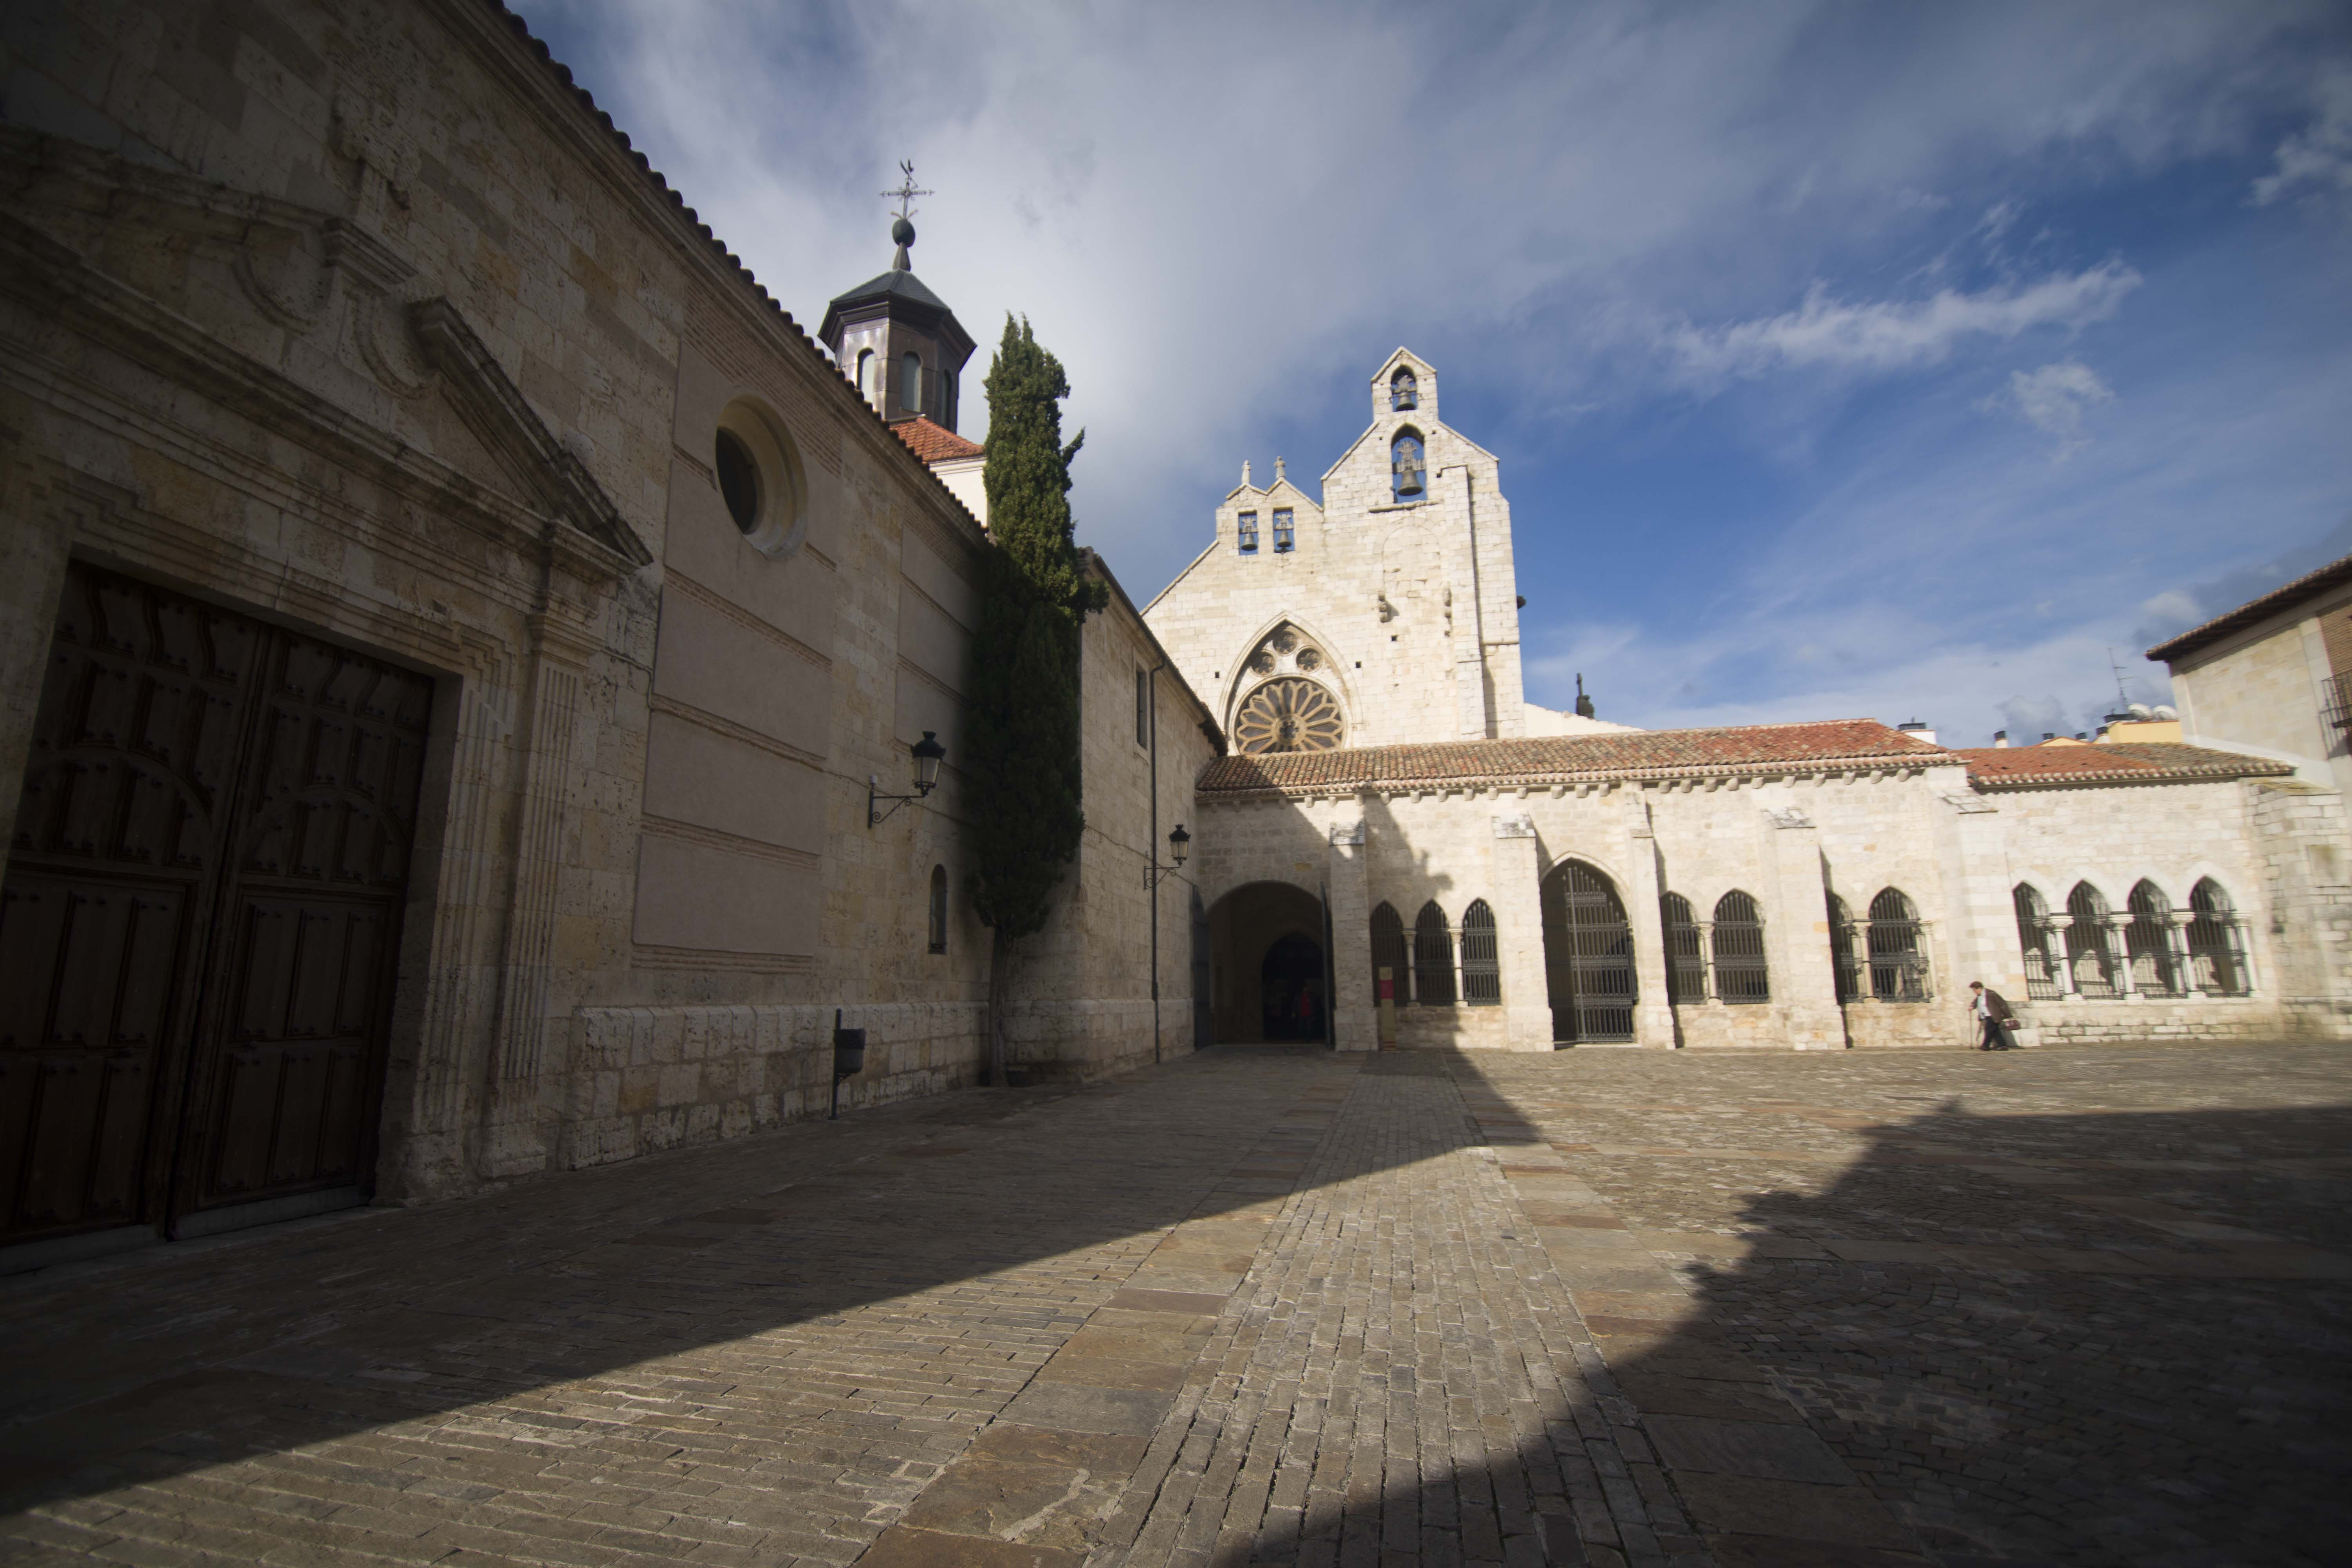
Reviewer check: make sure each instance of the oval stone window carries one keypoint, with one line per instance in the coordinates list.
(738, 481)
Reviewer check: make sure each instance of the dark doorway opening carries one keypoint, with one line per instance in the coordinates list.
(1269, 978)
(1290, 990)
(1588, 956)
(200, 919)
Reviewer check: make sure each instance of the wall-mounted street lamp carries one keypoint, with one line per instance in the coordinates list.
(928, 753)
(1179, 844)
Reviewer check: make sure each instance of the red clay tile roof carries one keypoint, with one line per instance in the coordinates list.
(935, 443)
(2283, 597)
(2045, 767)
(1566, 759)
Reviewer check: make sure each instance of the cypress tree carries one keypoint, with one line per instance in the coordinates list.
(1026, 808)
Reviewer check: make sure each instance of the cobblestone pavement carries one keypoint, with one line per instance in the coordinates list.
(1603, 1307)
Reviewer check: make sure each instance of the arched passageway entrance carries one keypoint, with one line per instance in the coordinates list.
(1269, 967)
(1588, 956)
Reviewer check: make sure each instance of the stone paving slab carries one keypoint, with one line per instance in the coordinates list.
(1615, 1309)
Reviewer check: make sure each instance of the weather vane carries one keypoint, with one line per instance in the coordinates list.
(906, 192)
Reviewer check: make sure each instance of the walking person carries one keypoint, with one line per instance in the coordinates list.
(1995, 1022)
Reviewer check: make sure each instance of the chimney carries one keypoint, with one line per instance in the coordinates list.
(2000, 739)
(1917, 730)
(2049, 735)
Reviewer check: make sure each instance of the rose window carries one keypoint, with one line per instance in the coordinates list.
(1289, 715)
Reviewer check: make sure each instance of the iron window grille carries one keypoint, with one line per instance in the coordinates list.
(1285, 534)
(1600, 994)
(1249, 532)
(2335, 700)
(1686, 962)
(1844, 964)
(1741, 975)
(1433, 958)
(1482, 967)
(2086, 944)
(2147, 942)
(2216, 953)
(1898, 967)
(1388, 951)
(2033, 940)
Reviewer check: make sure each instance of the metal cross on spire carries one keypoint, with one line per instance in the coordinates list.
(906, 192)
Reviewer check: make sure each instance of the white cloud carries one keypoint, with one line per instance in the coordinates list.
(2320, 155)
(1882, 337)
(2053, 400)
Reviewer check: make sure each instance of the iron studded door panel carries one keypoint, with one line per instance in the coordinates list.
(290, 1058)
(141, 776)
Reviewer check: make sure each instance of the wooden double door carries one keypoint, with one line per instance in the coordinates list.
(200, 916)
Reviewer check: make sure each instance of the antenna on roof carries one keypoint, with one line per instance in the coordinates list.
(2123, 697)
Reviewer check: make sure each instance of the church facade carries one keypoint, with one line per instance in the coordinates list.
(471, 668)
(1400, 850)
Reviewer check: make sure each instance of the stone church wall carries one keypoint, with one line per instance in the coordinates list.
(354, 317)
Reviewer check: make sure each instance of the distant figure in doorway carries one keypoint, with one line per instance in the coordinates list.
(1993, 1018)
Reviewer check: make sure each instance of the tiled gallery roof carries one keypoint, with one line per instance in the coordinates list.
(2286, 596)
(1568, 759)
(934, 443)
(2043, 767)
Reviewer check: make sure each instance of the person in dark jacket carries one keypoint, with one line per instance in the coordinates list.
(1993, 1018)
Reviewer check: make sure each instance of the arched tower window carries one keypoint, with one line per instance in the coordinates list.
(938, 909)
(1432, 957)
(1685, 964)
(1740, 974)
(1388, 952)
(1482, 959)
(2147, 941)
(2086, 942)
(910, 383)
(1404, 390)
(2217, 953)
(2033, 929)
(865, 375)
(1406, 466)
(1898, 968)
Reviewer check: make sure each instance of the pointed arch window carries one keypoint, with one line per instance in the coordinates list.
(1482, 960)
(1388, 952)
(1685, 961)
(1405, 391)
(2086, 943)
(1433, 958)
(1898, 964)
(1406, 466)
(2217, 951)
(2034, 933)
(1740, 973)
(1845, 964)
(2147, 941)
(938, 909)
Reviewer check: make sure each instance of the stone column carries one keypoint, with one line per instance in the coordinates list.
(1514, 892)
(2183, 964)
(1355, 1025)
(2063, 967)
(2118, 947)
(1654, 1017)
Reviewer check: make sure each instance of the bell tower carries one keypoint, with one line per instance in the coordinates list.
(895, 338)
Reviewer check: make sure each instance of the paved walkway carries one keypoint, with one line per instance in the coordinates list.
(1614, 1307)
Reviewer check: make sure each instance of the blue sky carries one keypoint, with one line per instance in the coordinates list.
(1842, 359)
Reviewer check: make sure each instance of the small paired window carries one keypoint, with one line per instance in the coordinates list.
(1249, 532)
(938, 909)
(1285, 534)
(1143, 708)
